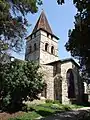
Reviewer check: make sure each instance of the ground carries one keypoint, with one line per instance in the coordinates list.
(44, 111)
(80, 114)
(6, 116)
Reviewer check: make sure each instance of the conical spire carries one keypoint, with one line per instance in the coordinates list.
(42, 23)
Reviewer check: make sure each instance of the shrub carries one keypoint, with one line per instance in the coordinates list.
(55, 106)
(49, 101)
(56, 102)
(18, 80)
(66, 107)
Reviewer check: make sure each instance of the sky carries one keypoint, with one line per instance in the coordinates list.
(60, 18)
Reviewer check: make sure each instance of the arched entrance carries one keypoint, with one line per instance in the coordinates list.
(71, 85)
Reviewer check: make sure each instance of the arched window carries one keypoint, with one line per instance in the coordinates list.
(47, 34)
(52, 50)
(46, 47)
(30, 49)
(35, 47)
(71, 86)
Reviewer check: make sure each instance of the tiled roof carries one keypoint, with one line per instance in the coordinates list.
(42, 23)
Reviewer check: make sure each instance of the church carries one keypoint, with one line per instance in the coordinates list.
(61, 77)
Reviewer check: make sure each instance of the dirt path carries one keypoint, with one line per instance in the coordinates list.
(6, 116)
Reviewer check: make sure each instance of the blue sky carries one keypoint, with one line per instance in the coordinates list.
(60, 18)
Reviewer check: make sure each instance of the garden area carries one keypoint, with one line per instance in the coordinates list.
(34, 111)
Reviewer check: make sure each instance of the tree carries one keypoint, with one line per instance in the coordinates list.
(63, 1)
(13, 22)
(18, 81)
(78, 43)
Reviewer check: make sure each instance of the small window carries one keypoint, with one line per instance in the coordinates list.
(30, 49)
(35, 47)
(51, 37)
(46, 47)
(34, 34)
(52, 50)
(47, 34)
(31, 36)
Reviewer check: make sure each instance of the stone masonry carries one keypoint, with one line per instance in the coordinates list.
(61, 77)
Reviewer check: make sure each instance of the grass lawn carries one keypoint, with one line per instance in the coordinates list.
(43, 110)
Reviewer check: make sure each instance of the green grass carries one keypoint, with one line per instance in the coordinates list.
(44, 110)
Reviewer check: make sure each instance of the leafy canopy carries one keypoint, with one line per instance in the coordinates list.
(18, 81)
(78, 43)
(13, 22)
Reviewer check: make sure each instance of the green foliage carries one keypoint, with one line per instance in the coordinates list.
(56, 102)
(52, 101)
(13, 22)
(18, 81)
(60, 1)
(76, 2)
(49, 101)
(78, 43)
(44, 110)
(55, 106)
(66, 107)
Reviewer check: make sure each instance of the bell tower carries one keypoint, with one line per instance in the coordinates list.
(42, 44)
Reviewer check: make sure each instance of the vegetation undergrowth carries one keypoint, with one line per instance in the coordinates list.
(33, 111)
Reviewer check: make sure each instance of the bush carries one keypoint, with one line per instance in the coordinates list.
(55, 106)
(52, 101)
(66, 107)
(49, 101)
(56, 102)
(18, 80)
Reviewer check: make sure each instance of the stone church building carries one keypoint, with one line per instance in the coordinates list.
(62, 80)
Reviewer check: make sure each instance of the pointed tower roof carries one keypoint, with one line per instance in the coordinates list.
(42, 23)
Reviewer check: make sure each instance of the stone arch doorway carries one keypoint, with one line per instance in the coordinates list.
(71, 84)
(58, 88)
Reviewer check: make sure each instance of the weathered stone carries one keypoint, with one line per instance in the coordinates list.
(55, 71)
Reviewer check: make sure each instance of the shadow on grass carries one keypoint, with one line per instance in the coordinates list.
(44, 113)
(84, 104)
(84, 115)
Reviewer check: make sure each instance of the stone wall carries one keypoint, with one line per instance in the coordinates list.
(33, 54)
(48, 78)
(58, 87)
(41, 38)
(64, 68)
(55, 76)
(46, 56)
(53, 79)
